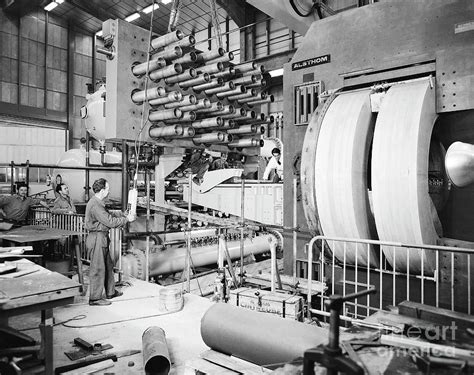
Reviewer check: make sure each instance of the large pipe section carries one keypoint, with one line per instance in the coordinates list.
(173, 259)
(140, 69)
(211, 68)
(246, 142)
(165, 114)
(139, 97)
(202, 103)
(215, 107)
(169, 71)
(210, 55)
(257, 337)
(239, 112)
(200, 79)
(173, 96)
(187, 41)
(186, 117)
(169, 53)
(189, 58)
(166, 131)
(185, 76)
(208, 123)
(186, 100)
(166, 39)
(156, 356)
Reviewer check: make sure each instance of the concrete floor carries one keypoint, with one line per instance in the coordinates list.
(122, 324)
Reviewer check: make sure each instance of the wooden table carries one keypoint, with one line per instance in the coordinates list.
(35, 233)
(42, 291)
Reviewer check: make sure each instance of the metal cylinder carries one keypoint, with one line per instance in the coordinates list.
(169, 53)
(459, 162)
(165, 114)
(188, 132)
(268, 99)
(186, 117)
(215, 107)
(238, 90)
(156, 356)
(200, 79)
(149, 94)
(245, 80)
(249, 115)
(256, 337)
(260, 69)
(165, 131)
(211, 68)
(185, 76)
(227, 72)
(260, 96)
(246, 142)
(227, 110)
(173, 96)
(228, 123)
(202, 103)
(210, 55)
(226, 58)
(169, 71)
(208, 123)
(209, 85)
(140, 69)
(215, 137)
(246, 94)
(248, 129)
(187, 41)
(259, 83)
(245, 67)
(239, 112)
(225, 87)
(186, 100)
(166, 39)
(188, 58)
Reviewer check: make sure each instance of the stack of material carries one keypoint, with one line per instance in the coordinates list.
(201, 97)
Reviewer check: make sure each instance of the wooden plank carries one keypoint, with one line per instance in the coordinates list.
(206, 367)
(435, 314)
(91, 369)
(234, 364)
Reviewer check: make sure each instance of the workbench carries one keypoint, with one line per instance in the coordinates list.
(40, 290)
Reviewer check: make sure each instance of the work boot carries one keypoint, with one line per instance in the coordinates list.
(100, 302)
(117, 293)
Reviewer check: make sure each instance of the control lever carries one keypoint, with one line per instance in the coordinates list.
(330, 355)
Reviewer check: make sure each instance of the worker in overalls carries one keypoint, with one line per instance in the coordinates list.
(98, 221)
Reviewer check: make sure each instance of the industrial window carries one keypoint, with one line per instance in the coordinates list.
(306, 101)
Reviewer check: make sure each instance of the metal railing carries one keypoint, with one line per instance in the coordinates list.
(448, 286)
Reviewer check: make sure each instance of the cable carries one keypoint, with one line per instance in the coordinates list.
(298, 12)
(77, 317)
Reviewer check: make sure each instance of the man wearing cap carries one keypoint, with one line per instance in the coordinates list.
(275, 165)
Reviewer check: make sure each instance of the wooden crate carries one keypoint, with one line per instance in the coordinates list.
(284, 305)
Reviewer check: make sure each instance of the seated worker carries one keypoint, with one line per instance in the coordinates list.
(14, 208)
(220, 163)
(274, 167)
(63, 203)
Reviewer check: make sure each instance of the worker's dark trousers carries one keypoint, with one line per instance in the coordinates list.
(101, 271)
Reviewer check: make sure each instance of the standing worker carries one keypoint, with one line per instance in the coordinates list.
(14, 208)
(98, 221)
(274, 166)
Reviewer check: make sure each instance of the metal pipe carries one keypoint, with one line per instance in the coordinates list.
(202, 78)
(260, 96)
(187, 41)
(245, 80)
(269, 99)
(187, 117)
(228, 72)
(173, 96)
(209, 85)
(185, 76)
(188, 58)
(249, 115)
(125, 183)
(188, 132)
(248, 129)
(226, 58)
(239, 112)
(166, 39)
(165, 131)
(203, 103)
(156, 356)
(216, 137)
(259, 84)
(262, 339)
(186, 100)
(211, 68)
(208, 123)
(169, 71)
(210, 55)
(246, 94)
(245, 67)
(139, 69)
(104, 51)
(169, 53)
(215, 107)
(165, 114)
(246, 142)
(229, 123)
(227, 110)
(225, 87)
(139, 97)
(237, 90)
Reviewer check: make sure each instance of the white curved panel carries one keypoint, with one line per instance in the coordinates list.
(402, 205)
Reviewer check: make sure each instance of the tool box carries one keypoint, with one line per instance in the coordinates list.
(278, 303)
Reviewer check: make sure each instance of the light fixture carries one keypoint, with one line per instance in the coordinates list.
(59, 1)
(132, 17)
(276, 72)
(99, 33)
(50, 6)
(149, 8)
(166, 1)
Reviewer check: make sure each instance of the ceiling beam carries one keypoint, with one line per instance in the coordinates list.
(93, 8)
(236, 9)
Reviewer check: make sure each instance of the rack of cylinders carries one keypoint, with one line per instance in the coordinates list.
(201, 97)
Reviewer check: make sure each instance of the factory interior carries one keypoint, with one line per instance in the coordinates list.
(236, 187)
